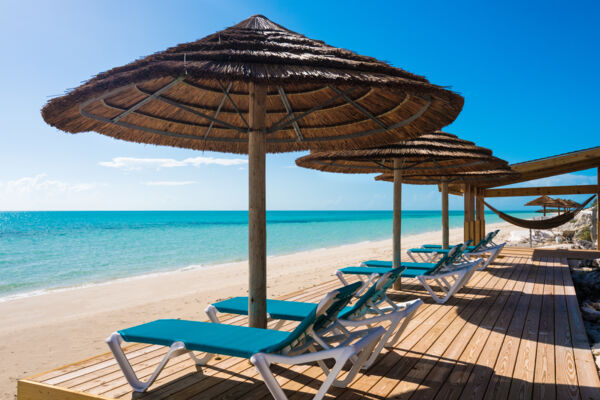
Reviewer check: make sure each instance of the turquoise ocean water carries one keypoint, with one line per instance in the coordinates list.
(48, 250)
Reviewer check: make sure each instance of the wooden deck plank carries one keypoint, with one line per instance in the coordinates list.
(375, 381)
(454, 385)
(482, 372)
(499, 383)
(522, 383)
(544, 373)
(566, 375)
(589, 382)
(515, 331)
(427, 383)
(438, 375)
(407, 358)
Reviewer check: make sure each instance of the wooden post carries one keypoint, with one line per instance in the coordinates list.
(598, 213)
(480, 209)
(397, 220)
(445, 217)
(257, 224)
(468, 205)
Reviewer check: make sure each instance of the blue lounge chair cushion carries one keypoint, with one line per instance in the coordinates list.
(277, 309)
(376, 266)
(231, 340)
(365, 270)
(412, 270)
(430, 250)
(377, 263)
(418, 265)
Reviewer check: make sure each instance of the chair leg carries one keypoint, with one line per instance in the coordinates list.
(114, 343)
(411, 255)
(211, 311)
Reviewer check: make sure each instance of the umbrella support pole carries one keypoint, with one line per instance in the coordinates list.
(530, 240)
(397, 220)
(257, 224)
(445, 217)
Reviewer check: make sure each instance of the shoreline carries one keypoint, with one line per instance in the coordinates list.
(193, 267)
(61, 327)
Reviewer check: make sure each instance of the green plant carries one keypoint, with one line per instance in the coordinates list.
(585, 234)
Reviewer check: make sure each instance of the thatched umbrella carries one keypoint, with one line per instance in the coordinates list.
(442, 179)
(543, 201)
(572, 203)
(438, 153)
(253, 88)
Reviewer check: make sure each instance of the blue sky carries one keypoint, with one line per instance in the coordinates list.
(528, 71)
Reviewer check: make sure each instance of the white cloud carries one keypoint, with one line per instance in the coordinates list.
(40, 183)
(560, 180)
(170, 183)
(136, 164)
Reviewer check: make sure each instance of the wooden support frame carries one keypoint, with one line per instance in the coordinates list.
(397, 219)
(257, 224)
(445, 216)
(480, 214)
(544, 190)
(469, 224)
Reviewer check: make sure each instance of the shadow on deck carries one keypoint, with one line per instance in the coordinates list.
(515, 331)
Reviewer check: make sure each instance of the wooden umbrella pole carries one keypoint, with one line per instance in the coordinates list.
(466, 198)
(397, 220)
(445, 217)
(257, 224)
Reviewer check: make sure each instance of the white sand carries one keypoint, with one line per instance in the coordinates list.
(45, 331)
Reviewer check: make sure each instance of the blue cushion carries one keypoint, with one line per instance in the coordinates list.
(418, 265)
(365, 270)
(278, 309)
(430, 250)
(231, 340)
(377, 263)
(432, 246)
(414, 272)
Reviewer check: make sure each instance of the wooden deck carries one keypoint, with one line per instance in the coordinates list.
(515, 331)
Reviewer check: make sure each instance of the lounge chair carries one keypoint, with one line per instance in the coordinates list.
(486, 248)
(365, 312)
(262, 346)
(450, 274)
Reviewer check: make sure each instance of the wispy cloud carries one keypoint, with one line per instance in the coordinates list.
(41, 183)
(170, 183)
(136, 164)
(560, 180)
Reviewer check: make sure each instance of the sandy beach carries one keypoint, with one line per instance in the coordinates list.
(45, 331)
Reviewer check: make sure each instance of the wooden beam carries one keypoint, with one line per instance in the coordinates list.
(445, 217)
(538, 191)
(397, 219)
(480, 218)
(468, 205)
(257, 224)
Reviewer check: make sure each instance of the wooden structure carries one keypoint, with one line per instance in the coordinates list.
(429, 158)
(515, 331)
(255, 88)
(529, 170)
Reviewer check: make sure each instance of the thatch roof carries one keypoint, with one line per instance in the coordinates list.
(437, 153)
(494, 175)
(542, 201)
(195, 95)
(572, 203)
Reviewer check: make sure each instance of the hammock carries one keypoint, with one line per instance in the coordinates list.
(541, 223)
